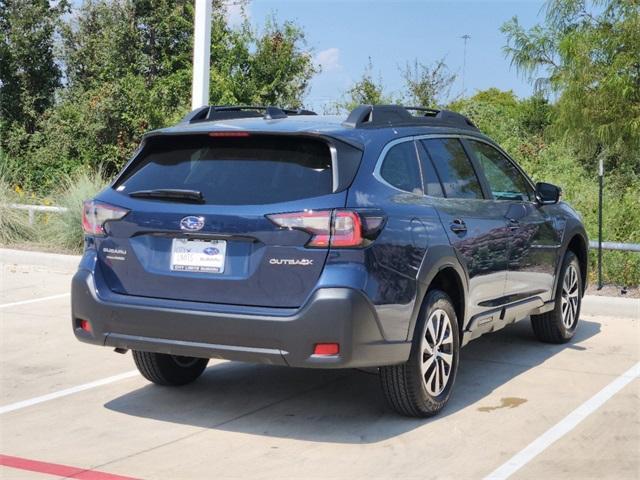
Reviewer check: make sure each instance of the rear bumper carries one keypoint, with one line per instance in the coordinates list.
(274, 336)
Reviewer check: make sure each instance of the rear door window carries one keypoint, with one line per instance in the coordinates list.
(453, 167)
(250, 170)
(431, 181)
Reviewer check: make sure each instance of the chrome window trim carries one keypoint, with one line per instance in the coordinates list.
(393, 143)
(335, 178)
(376, 171)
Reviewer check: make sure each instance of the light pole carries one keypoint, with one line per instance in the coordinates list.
(201, 53)
(466, 37)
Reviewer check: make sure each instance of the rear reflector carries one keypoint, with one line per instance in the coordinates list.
(85, 325)
(326, 349)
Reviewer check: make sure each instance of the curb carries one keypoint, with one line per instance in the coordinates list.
(611, 306)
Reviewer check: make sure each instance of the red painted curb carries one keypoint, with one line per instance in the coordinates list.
(57, 469)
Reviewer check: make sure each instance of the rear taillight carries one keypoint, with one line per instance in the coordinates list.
(95, 214)
(347, 229)
(335, 228)
(317, 223)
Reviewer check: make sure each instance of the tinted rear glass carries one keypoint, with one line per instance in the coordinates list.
(400, 168)
(454, 168)
(234, 171)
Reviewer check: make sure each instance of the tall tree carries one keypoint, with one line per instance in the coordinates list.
(588, 53)
(269, 67)
(427, 85)
(29, 74)
(128, 67)
(366, 91)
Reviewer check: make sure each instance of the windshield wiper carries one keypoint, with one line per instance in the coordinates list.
(170, 194)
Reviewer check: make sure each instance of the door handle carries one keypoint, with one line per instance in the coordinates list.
(513, 224)
(458, 226)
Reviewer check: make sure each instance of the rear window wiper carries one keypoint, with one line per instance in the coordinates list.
(170, 194)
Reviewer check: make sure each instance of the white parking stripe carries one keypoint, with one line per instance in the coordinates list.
(567, 424)
(68, 391)
(34, 300)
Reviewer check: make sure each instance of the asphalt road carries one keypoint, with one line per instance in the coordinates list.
(520, 409)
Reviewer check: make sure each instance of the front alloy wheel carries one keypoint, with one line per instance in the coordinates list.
(560, 324)
(570, 297)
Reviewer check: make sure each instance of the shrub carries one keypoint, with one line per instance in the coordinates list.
(64, 230)
(14, 224)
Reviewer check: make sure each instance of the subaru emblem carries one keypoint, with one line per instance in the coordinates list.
(192, 224)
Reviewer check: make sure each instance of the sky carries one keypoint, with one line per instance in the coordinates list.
(342, 35)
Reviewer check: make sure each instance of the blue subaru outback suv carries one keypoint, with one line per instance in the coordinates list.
(387, 239)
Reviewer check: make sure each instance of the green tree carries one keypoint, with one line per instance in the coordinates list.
(588, 53)
(29, 73)
(494, 111)
(427, 85)
(535, 114)
(366, 91)
(271, 67)
(128, 69)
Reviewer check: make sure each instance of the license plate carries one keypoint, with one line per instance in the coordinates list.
(192, 255)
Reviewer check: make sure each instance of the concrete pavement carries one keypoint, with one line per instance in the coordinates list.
(242, 420)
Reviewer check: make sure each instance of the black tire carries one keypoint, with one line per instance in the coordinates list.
(168, 370)
(550, 327)
(404, 386)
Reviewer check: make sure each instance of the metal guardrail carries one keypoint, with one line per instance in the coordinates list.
(32, 209)
(627, 247)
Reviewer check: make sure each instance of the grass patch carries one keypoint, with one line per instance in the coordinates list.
(64, 230)
(14, 224)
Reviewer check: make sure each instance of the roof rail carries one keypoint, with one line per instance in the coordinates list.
(375, 116)
(228, 112)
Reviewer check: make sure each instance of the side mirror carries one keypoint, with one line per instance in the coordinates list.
(547, 193)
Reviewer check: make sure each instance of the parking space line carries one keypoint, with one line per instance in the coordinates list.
(34, 300)
(567, 424)
(57, 469)
(67, 391)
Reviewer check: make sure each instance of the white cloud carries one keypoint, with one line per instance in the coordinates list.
(329, 59)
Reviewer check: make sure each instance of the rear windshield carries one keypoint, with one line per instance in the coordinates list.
(234, 171)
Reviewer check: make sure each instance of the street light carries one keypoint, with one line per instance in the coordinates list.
(201, 54)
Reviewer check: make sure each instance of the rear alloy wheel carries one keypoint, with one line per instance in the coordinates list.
(169, 370)
(422, 386)
(437, 352)
(559, 325)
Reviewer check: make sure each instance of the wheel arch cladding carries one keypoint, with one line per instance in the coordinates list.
(578, 246)
(448, 280)
(445, 275)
